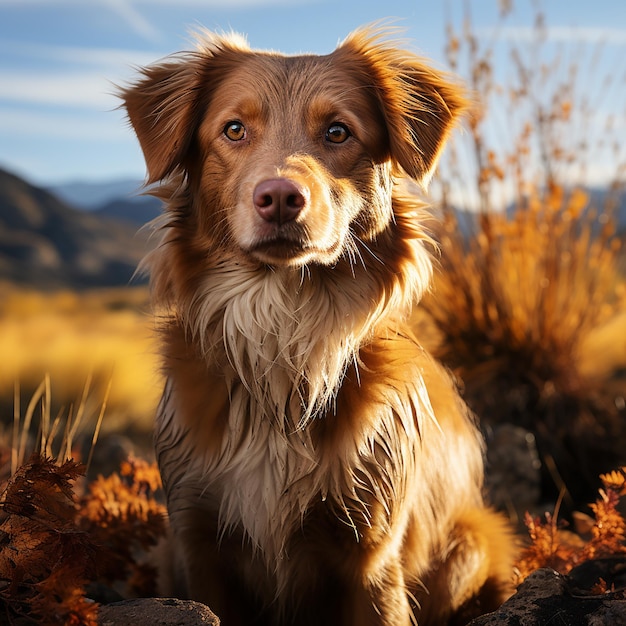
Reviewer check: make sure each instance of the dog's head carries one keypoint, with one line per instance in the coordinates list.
(291, 159)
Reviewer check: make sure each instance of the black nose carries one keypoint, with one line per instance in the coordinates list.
(278, 200)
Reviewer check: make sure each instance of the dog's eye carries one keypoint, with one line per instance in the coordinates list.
(235, 131)
(337, 133)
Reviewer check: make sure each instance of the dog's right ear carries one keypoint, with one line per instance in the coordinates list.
(165, 105)
(162, 108)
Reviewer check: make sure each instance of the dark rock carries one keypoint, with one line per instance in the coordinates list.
(547, 597)
(156, 612)
(513, 470)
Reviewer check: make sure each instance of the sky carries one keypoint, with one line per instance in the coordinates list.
(61, 59)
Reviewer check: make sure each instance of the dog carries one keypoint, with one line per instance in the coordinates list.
(319, 466)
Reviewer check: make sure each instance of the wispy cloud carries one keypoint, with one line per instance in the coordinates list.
(125, 9)
(137, 20)
(102, 58)
(134, 19)
(207, 4)
(81, 90)
(84, 78)
(227, 4)
(103, 127)
(565, 34)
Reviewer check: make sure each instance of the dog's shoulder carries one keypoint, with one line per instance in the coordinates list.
(395, 367)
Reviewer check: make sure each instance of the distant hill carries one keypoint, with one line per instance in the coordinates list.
(92, 195)
(136, 211)
(45, 243)
(598, 201)
(118, 199)
(123, 199)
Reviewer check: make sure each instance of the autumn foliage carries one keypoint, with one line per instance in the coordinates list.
(551, 547)
(53, 543)
(45, 559)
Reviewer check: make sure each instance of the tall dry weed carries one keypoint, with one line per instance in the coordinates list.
(521, 290)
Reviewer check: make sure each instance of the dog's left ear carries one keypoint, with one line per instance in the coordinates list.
(420, 105)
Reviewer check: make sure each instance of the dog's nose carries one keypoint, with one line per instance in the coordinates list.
(278, 200)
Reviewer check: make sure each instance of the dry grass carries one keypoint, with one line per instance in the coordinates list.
(528, 305)
(85, 344)
(603, 352)
(536, 286)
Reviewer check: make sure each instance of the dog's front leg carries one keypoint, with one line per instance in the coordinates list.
(379, 599)
(207, 572)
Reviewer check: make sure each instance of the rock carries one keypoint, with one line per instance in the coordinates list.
(547, 597)
(156, 612)
(513, 470)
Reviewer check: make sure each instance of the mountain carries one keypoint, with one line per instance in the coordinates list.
(89, 236)
(46, 243)
(93, 195)
(119, 199)
(136, 211)
(599, 200)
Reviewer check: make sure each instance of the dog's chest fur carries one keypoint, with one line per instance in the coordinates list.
(283, 350)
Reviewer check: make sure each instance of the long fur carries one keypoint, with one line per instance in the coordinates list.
(319, 465)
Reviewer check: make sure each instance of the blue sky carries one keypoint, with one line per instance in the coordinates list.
(60, 59)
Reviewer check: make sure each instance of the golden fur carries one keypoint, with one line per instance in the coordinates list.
(319, 466)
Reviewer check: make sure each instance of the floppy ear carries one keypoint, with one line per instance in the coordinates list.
(165, 105)
(428, 110)
(420, 104)
(161, 107)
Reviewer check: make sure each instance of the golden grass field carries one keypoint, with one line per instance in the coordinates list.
(85, 342)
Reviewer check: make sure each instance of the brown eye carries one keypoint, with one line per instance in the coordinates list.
(235, 131)
(337, 133)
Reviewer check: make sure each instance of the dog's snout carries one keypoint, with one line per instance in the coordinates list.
(279, 200)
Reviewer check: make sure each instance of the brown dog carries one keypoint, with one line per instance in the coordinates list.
(319, 466)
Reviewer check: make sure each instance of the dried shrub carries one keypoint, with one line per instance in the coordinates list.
(122, 515)
(515, 304)
(551, 547)
(526, 280)
(53, 543)
(45, 560)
